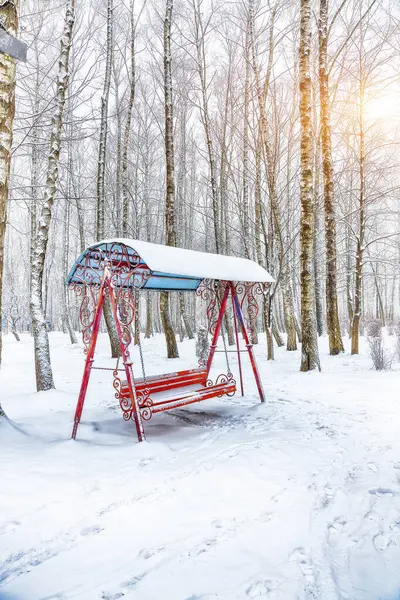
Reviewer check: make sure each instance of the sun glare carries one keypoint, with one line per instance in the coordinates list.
(386, 106)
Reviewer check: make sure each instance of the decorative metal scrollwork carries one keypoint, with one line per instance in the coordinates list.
(247, 294)
(127, 275)
(211, 290)
(222, 378)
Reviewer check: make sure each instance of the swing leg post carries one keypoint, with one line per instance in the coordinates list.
(237, 346)
(128, 368)
(88, 362)
(217, 328)
(248, 345)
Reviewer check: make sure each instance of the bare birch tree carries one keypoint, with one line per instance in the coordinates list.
(101, 171)
(309, 347)
(170, 221)
(44, 375)
(9, 22)
(332, 313)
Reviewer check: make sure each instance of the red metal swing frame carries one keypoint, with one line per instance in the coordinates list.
(140, 398)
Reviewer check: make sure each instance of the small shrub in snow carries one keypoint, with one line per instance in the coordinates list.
(374, 328)
(202, 345)
(381, 357)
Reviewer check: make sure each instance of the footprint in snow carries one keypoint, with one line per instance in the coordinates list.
(373, 467)
(10, 526)
(203, 547)
(327, 496)
(336, 525)
(91, 530)
(147, 553)
(308, 572)
(260, 588)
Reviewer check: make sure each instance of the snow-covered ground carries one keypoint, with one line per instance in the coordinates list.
(296, 499)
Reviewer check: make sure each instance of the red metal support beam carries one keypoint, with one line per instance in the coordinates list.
(218, 327)
(128, 367)
(89, 359)
(247, 341)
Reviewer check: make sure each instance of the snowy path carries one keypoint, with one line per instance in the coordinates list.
(297, 499)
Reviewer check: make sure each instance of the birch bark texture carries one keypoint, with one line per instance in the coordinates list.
(9, 21)
(200, 32)
(309, 347)
(44, 375)
(101, 171)
(170, 220)
(127, 130)
(332, 313)
(101, 165)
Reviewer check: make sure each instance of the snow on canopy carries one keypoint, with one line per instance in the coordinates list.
(180, 269)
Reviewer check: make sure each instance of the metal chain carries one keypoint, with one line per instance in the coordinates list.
(224, 342)
(137, 325)
(226, 351)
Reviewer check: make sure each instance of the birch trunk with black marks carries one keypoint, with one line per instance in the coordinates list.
(309, 348)
(65, 247)
(101, 171)
(34, 164)
(9, 21)
(262, 92)
(170, 223)
(101, 163)
(44, 374)
(127, 132)
(205, 117)
(318, 246)
(355, 328)
(332, 312)
(245, 172)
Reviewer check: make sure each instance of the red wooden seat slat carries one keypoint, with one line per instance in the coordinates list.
(217, 390)
(195, 396)
(167, 381)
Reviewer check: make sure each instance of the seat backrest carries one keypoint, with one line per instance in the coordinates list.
(170, 381)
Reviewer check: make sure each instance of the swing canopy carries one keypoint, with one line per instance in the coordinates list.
(162, 268)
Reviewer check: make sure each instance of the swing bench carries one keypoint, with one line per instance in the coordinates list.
(113, 271)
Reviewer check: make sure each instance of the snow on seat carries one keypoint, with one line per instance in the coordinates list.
(160, 383)
(158, 392)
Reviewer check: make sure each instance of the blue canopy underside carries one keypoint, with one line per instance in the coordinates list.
(158, 281)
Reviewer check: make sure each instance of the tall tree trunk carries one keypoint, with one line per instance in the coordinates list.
(246, 108)
(117, 213)
(101, 164)
(34, 165)
(44, 375)
(205, 116)
(318, 249)
(149, 323)
(9, 21)
(262, 92)
(101, 172)
(355, 329)
(184, 316)
(170, 224)
(332, 313)
(127, 132)
(349, 297)
(66, 317)
(309, 349)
